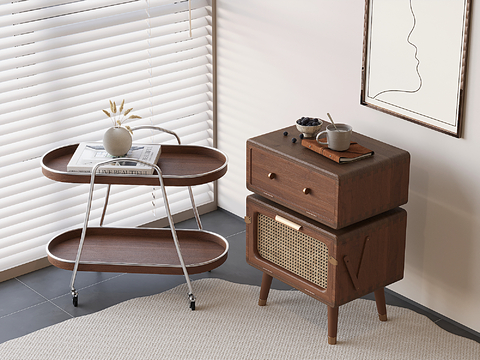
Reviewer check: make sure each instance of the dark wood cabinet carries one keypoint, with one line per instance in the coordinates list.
(333, 231)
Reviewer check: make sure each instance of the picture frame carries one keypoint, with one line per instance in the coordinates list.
(415, 59)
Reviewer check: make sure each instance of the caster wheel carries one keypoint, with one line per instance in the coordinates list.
(75, 300)
(192, 301)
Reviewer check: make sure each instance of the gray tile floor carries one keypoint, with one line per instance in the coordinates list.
(42, 298)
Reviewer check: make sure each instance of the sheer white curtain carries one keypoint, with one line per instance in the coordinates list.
(60, 64)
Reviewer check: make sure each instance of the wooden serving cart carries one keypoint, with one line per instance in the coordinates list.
(141, 250)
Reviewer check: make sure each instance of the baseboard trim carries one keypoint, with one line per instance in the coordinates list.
(434, 313)
(182, 216)
(24, 269)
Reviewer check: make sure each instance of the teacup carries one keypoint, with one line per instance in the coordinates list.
(338, 138)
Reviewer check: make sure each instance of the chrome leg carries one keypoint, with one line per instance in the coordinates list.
(82, 238)
(194, 207)
(107, 195)
(175, 239)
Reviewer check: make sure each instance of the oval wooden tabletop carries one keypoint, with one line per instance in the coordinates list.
(181, 165)
(138, 250)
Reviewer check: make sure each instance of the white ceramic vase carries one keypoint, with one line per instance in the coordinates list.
(117, 141)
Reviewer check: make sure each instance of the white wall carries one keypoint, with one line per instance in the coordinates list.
(279, 60)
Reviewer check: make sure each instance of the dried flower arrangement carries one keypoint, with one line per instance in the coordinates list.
(119, 118)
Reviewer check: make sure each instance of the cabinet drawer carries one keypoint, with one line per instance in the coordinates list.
(337, 195)
(293, 185)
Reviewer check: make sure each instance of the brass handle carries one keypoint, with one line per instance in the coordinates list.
(288, 223)
(271, 176)
(306, 191)
(333, 261)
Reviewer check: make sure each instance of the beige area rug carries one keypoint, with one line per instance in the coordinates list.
(228, 324)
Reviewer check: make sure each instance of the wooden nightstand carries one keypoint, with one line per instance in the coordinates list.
(333, 231)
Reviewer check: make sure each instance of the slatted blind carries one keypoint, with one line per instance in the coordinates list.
(60, 64)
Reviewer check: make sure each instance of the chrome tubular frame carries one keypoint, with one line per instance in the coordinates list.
(167, 208)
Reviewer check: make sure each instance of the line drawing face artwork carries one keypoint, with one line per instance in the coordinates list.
(408, 40)
(414, 60)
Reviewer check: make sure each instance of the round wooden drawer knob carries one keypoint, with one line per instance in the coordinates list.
(306, 191)
(271, 176)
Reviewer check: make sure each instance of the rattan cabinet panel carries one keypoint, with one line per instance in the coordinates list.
(292, 250)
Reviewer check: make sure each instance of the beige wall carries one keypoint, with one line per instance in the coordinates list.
(279, 60)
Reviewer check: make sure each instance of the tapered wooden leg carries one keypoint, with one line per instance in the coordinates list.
(332, 325)
(381, 305)
(265, 289)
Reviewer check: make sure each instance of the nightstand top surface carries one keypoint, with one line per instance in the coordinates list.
(282, 145)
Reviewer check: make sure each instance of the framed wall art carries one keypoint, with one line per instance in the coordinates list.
(414, 60)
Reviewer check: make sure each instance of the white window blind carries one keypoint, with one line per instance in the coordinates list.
(60, 64)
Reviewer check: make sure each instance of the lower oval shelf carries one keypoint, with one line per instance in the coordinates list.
(138, 250)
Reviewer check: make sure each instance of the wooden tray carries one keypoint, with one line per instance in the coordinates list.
(138, 250)
(182, 165)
